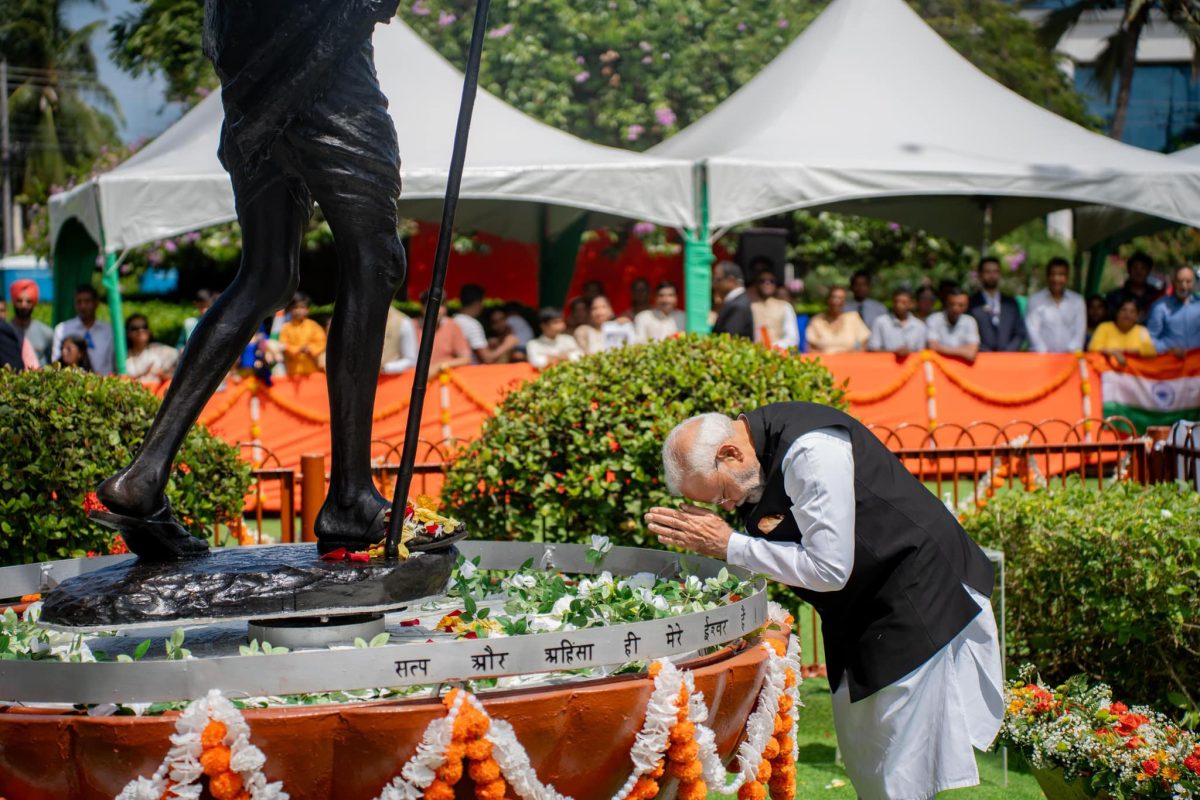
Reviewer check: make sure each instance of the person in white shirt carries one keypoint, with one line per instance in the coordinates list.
(954, 332)
(665, 319)
(604, 332)
(98, 335)
(471, 299)
(910, 638)
(1057, 317)
(555, 345)
(899, 332)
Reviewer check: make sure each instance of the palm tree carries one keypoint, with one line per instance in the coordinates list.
(1117, 60)
(61, 116)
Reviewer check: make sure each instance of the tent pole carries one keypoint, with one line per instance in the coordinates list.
(697, 261)
(112, 284)
(1097, 260)
(458, 157)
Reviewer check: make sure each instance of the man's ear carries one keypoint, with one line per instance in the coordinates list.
(729, 452)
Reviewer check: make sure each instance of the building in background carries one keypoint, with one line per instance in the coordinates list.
(1164, 105)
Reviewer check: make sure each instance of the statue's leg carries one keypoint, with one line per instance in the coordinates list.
(371, 266)
(272, 225)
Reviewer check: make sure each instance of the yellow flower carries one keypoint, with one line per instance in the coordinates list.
(1170, 773)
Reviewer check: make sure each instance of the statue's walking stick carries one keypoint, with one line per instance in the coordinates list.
(412, 430)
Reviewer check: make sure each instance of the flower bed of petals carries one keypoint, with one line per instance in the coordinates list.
(1114, 749)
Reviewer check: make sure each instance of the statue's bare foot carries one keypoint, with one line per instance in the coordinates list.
(355, 524)
(364, 523)
(140, 511)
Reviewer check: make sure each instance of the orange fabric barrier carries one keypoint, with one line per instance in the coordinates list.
(997, 388)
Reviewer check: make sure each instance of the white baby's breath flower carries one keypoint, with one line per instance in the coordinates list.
(522, 581)
(642, 580)
(561, 606)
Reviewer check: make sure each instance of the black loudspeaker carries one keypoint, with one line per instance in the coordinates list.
(760, 243)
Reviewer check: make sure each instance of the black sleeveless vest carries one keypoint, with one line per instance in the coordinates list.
(905, 599)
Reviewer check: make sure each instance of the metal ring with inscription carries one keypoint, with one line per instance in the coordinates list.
(393, 665)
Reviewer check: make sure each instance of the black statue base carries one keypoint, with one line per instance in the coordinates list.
(241, 583)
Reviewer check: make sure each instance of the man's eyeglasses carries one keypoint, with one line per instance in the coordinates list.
(723, 499)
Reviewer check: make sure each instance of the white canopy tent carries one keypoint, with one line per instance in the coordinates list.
(516, 166)
(870, 112)
(1093, 224)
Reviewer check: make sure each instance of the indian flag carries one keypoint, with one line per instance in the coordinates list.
(1153, 391)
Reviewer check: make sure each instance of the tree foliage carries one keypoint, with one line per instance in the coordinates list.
(623, 72)
(164, 37)
(61, 115)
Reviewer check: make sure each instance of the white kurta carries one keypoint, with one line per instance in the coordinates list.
(913, 738)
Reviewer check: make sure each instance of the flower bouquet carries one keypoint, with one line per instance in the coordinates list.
(425, 528)
(1081, 743)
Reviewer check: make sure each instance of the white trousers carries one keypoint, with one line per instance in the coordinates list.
(915, 738)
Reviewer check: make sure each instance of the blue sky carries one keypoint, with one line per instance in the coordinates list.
(142, 99)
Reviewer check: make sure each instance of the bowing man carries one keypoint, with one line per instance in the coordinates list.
(910, 638)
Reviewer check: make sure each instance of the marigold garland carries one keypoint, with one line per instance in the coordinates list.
(879, 395)
(246, 386)
(675, 742)
(969, 387)
(469, 393)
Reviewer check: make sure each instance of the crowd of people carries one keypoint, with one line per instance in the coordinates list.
(1142, 316)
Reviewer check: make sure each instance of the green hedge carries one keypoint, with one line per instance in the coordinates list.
(579, 450)
(62, 432)
(1103, 583)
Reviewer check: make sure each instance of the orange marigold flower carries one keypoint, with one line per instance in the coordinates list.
(785, 745)
(686, 770)
(785, 704)
(484, 771)
(658, 771)
(693, 790)
(451, 772)
(457, 751)
(682, 732)
(644, 789)
(215, 760)
(479, 750)
(492, 790)
(439, 790)
(772, 748)
(225, 786)
(683, 751)
(782, 724)
(764, 771)
(214, 734)
(752, 790)
(779, 647)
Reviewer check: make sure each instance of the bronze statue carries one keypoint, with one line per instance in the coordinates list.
(305, 120)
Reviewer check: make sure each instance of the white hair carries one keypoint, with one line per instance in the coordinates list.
(708, 432)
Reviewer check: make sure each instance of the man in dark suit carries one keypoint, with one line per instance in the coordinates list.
(1001, 326)
(10, 348)
(735, 316)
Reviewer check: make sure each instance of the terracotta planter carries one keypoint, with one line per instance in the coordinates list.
(578, 737)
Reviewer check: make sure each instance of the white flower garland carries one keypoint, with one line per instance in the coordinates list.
(421, 769)
(182, 762)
